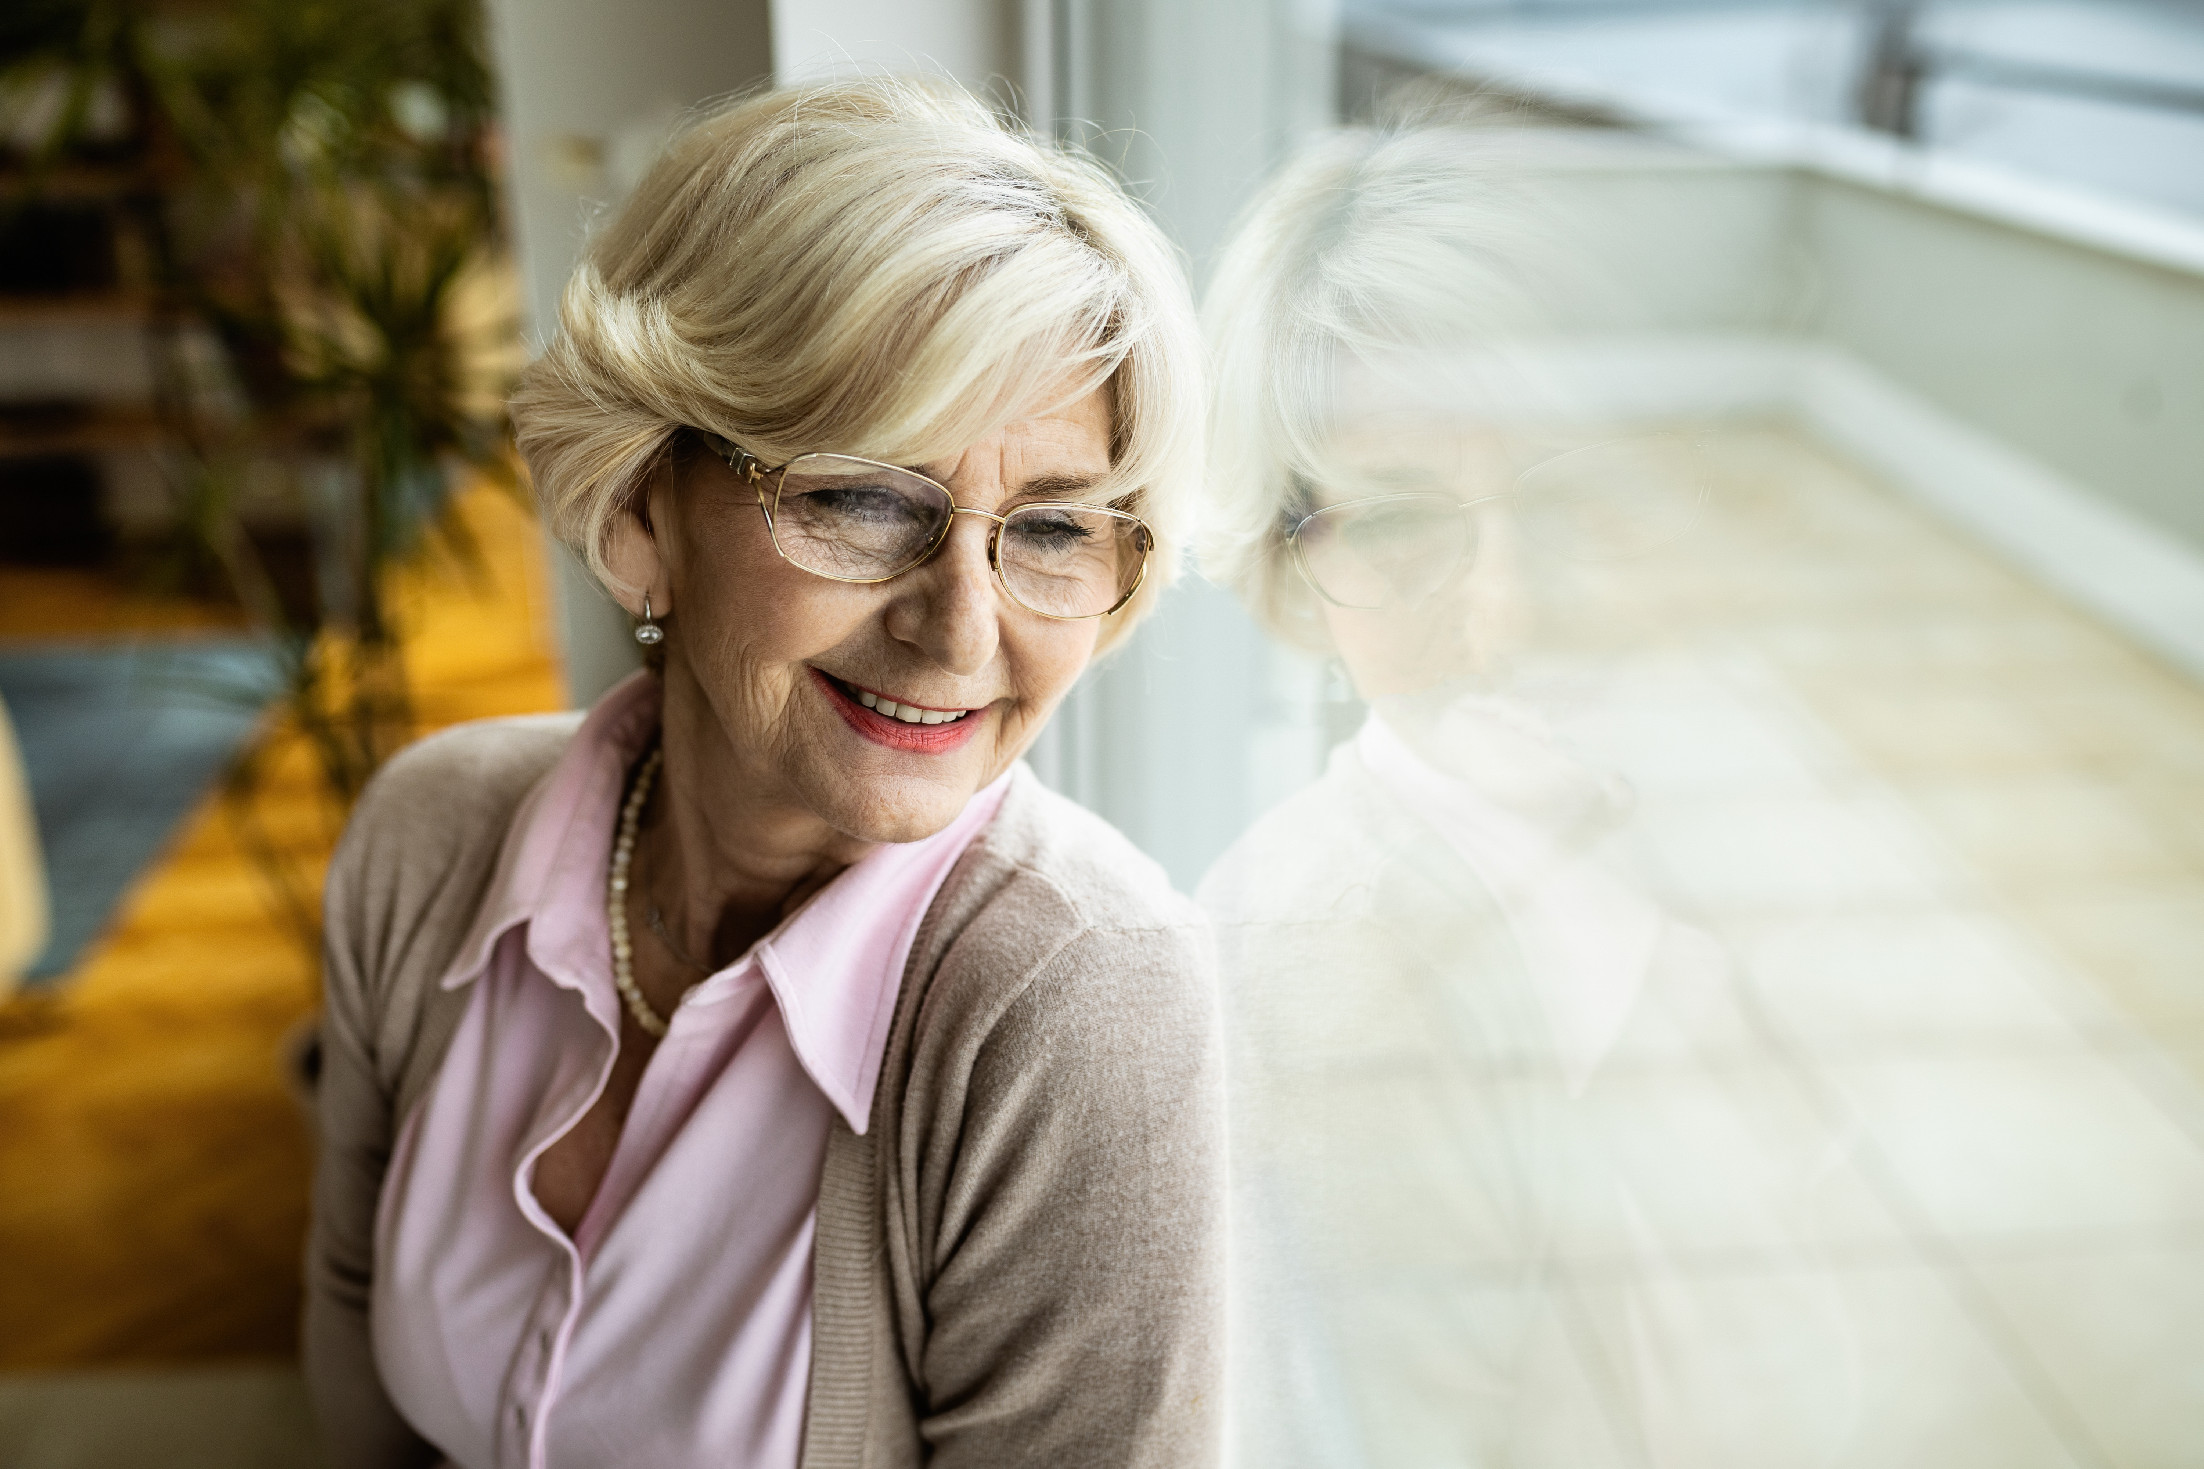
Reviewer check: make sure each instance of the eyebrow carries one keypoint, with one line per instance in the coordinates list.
(1056, 486)
(1040, 487)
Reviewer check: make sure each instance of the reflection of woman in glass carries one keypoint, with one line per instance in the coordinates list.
(1466, 1052)
(765, 1069)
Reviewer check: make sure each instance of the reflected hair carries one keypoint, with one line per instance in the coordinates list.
(881, 267)
(1379, 248)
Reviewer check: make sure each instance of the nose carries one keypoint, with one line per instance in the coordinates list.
(948, 609)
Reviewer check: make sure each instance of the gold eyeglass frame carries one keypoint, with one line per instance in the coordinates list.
(754, 472)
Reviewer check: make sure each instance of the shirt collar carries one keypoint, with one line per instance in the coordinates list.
(835, 966)
(560, 840)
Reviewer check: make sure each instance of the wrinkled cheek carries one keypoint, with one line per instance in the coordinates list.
(1008, 735)
(754, 703)
(1043, 686)
(1016, 730)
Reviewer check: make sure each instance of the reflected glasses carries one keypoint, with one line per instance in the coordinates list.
(857, 520)
(1606, 502)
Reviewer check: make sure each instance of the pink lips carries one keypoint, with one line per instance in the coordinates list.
(924, 739)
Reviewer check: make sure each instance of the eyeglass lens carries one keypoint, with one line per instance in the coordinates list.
(856, 521)
(1383, 553)
(1608, 501)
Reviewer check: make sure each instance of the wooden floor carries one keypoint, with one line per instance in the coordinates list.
(37, 604)
(153, 1156)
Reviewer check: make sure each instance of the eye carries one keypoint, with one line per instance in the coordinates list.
(1052, 528)
(879, 504)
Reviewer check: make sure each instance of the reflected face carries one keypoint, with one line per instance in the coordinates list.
(878, 708)
(1448, 581)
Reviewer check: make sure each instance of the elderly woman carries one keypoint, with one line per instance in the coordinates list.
(765, 1069)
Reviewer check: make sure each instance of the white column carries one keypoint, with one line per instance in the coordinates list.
(975, 41)
(1194, 104)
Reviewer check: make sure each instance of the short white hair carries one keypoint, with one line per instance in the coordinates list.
(881, 267)
(1371, 249)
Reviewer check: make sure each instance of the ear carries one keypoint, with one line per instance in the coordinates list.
(632, 550)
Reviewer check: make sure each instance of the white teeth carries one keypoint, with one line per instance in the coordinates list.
(908, 713)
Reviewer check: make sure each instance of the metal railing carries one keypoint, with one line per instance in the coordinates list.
(1900, 66)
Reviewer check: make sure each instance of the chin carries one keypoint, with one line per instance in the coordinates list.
(879, 808)
(871, 791)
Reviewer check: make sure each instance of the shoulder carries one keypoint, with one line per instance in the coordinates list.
(1050, 876)
(451, 792)
(1062, 1025)
(1061, 863)
(440, 786)
(1054, 918)
(422, 842)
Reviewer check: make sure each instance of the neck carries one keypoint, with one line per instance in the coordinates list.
(726, 850)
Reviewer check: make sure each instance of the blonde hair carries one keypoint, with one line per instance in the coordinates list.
(1387, 249)
(881, 267)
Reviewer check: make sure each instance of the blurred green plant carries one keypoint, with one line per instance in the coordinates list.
(312, 186)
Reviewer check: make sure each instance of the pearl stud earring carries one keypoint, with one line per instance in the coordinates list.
(648, 632)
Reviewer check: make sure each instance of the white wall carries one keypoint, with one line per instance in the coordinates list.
(587, 89)
(2087, 360)
(975, 41)
(2044, 393)
(2075, 353)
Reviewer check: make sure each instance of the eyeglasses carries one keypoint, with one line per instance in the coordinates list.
(857, 520)
(1384, 551)
(1605, 502)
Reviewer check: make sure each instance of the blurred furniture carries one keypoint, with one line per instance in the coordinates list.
(119, 744)
(24, 909)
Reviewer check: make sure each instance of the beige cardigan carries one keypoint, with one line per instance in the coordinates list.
(1019, 1263)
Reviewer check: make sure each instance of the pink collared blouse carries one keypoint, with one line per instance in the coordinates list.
(674, 1327)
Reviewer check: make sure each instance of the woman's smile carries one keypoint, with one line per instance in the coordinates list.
(897, 724)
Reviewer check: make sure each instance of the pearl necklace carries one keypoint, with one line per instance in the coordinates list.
(616, 899)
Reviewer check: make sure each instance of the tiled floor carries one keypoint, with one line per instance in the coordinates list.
(1950, 832)
(1962, 879)
(1977, 935)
